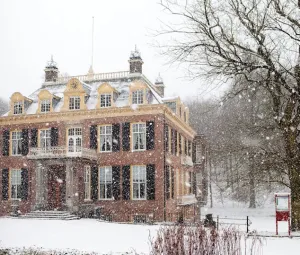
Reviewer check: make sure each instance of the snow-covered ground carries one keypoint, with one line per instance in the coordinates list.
(91, 235)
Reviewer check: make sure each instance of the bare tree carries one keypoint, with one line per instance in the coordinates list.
(257, 40)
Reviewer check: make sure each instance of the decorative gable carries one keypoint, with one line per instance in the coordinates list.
(46, 101)
(74, 94)
(18, 104)
(138, 93)
(105, 90)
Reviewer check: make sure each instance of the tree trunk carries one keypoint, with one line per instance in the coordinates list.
(293, 162)
(252, 192)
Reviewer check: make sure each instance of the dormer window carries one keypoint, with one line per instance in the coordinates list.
(172, 106)
(45, 105)
(105, 100)
(18, 107)
(138, 97)
(74, 103)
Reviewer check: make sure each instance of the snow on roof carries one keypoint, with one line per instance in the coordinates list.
(121, 85)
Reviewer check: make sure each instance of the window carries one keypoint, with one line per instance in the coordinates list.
(105, 138)
(18, 107)
(16, 137)
(184, 116)
(137, 97)
(198, 153)
(105, 100)
(87, 183)
(74, 140)
(45, 105)
(189, 148)
(139, 136)
(15, 184)
(172, 106)
(105, 182)
(74, 103)
(45, 139)
(139, 182)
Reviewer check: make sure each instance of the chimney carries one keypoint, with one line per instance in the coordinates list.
(135, 62)
(159, 85)
(51, 71)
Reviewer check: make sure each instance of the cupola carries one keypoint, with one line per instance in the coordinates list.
(135, 62)
(51, 71)
(159, 85)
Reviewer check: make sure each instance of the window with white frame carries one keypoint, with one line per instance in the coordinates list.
(87, 182)
(106, 138)
(138, 182)
(138, 97)
(16, 138)
(138, 136)
(45, 139)
(105, 181)
(45, 105)
(74, 103)
(15, 184)
(198, 153)
(105, 100)
(74, 140)
(18, 107)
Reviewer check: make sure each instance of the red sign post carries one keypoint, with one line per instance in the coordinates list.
(283, 209)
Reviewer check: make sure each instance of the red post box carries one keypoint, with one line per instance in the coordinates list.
(283, 208)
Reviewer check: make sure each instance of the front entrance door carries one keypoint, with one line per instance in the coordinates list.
(56, 188)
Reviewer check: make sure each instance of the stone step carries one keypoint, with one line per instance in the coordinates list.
(50, 215)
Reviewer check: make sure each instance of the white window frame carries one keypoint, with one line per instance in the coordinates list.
(74, 103)
(105, 100)
(15, 184)
(45, 139)
(139, 182)
(138, 97)
(45, 105)
(105, 138)
(16, 143)
(105, 180)
(18, 107)
(87, 183)
(74, 135)
(198, 153)
(139, 136)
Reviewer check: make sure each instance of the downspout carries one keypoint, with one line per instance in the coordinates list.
(164, 186)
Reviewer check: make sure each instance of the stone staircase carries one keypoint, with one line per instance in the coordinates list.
(50, 215)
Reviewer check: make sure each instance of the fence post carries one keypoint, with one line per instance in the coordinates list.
(247, 223)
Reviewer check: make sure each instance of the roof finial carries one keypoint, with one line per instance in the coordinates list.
(92, 54)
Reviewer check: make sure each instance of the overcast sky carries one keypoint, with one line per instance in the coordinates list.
(33, 30)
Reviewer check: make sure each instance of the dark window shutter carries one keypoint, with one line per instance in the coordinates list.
(172, 183)
(34, 137)
(25, 142)
(54, 136)
(167, 176)
(180, 145)
(194, 151)
(166, 132)
(150, 182)
(126, 182)
(115, 137)
(150, 135)
(24, 184)
(176, 144)
(172, 141)
(116, 182)
(94, 183)
(185, 147)
(126, 136)
(5, 184)
(194, 184)
(5, 151)
(93, 137)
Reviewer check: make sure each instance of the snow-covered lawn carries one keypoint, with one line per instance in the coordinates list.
(91, 235)
(84, 235)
